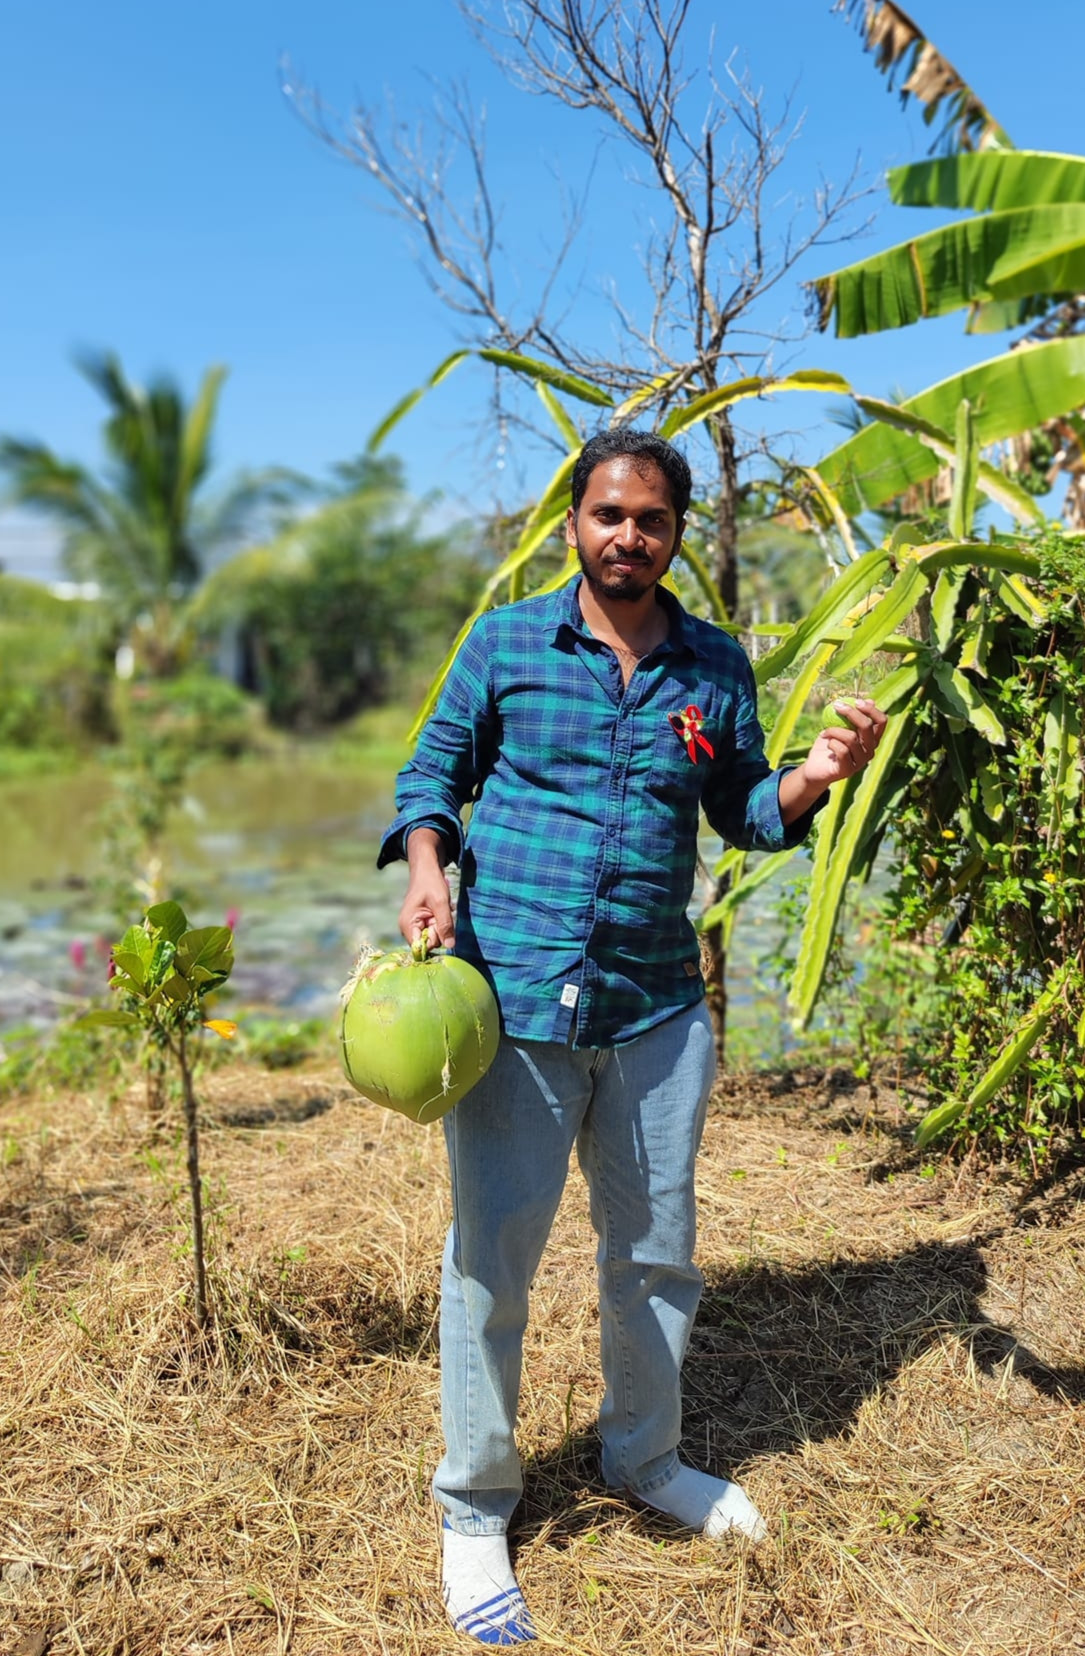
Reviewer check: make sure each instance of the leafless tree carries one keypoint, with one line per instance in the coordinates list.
(702, 141)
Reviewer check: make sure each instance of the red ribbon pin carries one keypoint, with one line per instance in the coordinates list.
(687, 726)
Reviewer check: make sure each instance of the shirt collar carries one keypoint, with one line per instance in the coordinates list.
(568, 619)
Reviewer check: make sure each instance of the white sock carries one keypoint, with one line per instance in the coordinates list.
(480, 1590)
(711, 1505)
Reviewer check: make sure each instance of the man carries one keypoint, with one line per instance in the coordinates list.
(588, 727)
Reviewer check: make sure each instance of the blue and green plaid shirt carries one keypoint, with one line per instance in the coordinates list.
(578, 865)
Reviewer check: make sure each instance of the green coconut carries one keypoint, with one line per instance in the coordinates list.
(417, 1030)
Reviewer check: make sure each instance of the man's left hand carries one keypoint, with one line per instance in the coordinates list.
(845, 748)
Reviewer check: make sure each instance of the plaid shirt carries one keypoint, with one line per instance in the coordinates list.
(578, 864)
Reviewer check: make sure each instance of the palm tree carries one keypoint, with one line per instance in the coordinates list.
(138, 528)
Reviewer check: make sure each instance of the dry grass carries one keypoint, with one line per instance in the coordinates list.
(891, 1362)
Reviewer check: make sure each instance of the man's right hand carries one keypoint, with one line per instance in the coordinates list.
(428, 903)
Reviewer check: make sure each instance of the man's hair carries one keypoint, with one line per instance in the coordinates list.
(644, 449)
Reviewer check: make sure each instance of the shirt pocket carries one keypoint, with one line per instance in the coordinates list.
(680, 762)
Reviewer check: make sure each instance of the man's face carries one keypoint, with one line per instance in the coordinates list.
(625, 531)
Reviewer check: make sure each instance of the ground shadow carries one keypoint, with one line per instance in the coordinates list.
(783, 1357)
(39, 1218)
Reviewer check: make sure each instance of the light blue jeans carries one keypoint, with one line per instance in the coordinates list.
(635, 1113)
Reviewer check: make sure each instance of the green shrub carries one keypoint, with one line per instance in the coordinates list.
(990, 874)
(195, 713)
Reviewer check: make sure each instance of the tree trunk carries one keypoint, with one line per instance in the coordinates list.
(725, 572)
(725, 569)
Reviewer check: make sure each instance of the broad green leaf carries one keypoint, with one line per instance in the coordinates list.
(961, 700)
(856, 582)
(1010, 394)
(890, 610)
(853, 813)
(1008, 1062)
(710, 402)
(112, 1020)
(205, 955)
(990, 180)
(405, 404)
(534, 369)
(174, 988)
(573, 440)
(131, 965)
(168, 919)
(1008, 254)
(161, 962)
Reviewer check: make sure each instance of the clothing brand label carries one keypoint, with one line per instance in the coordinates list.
(570, 995)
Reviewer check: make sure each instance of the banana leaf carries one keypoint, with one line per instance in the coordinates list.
(1010, 394)
(990, 180)
(1011, 254)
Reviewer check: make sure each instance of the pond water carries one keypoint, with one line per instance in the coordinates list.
(289, 846)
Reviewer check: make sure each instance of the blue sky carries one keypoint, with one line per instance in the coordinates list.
(159, 198)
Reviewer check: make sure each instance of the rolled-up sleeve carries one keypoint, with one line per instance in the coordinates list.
(453, 754)
(742, 796)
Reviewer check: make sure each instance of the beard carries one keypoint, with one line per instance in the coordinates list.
(608, 582)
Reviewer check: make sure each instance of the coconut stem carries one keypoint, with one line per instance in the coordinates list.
(420, 946)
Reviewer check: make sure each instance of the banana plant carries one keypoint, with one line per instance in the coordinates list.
(1019, 259)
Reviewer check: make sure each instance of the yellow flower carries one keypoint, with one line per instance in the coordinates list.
(1050, 878)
